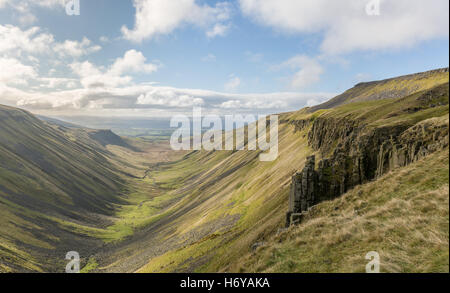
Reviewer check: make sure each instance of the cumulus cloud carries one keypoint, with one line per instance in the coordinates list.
(160, 17)
(15, 41)
(20, 74)
(57, 82)
(24, 8)
(24, 51)
(168, 98)
(91, 76)
(133, 98)
(76, 49)
(24, 5)
(346, 26)
(95, 88)
(218, 30)
(309, 71)
(132, 62)
(14, 72)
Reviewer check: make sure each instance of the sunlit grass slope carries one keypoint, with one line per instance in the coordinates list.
(404, 216)
(246, 196)
(154, 211)
(61, 188)
(389, 88)
(219, 185)
(47, 179)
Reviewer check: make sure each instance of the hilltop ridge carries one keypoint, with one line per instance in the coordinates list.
(388, 88)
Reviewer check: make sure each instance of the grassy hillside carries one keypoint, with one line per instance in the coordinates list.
(46, 178)
(249, 198)
(130, 206)
(403, 216)
(390, 88)
(60, 189)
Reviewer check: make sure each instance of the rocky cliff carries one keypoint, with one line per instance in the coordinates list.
(354, 152)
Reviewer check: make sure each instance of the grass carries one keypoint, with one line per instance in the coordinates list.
(211, 207)
(251, 192)
(404, 216)
(90, 266)
(393, 88)
(56, 181)
(258, 192)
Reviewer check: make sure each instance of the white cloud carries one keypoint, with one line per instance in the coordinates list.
(253, 104)
(168, 98)
(56, 82)
(309, 71)
(218, 30)
(233, 83)
(132, 62)
(160, 17)
(49, 3)
(14, 72)
(24, 52)
(24, 8)
(92, 77)
(149, 99)
(76, 49)
(104, 39)
(23, 5)
(27, 19)
(15, 41)
(346, 26)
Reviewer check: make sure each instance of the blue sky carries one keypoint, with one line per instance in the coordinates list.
(262, 56)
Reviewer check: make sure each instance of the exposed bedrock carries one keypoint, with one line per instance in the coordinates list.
(356, 154)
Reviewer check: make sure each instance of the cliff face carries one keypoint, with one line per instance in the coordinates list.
(354, 153)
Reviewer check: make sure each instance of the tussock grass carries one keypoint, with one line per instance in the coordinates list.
(404, 216)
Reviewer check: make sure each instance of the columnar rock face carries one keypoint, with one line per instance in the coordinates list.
(360, 154)
(412, 145)
(303, 188)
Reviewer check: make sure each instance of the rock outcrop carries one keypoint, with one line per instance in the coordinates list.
(412, 145)
(303, 190)
(355, 154)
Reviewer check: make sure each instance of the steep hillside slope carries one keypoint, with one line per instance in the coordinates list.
(228, 203)
(404, 216)
(46, 179)
(158, 211)
(390, 88)
(60, 189)
(33, 150)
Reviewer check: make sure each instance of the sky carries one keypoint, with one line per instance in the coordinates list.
(157, 58)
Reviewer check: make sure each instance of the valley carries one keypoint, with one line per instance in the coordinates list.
(134, 205)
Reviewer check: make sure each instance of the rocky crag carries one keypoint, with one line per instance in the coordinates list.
(354, 153)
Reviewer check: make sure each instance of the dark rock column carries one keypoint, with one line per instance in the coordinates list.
(309, 182)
